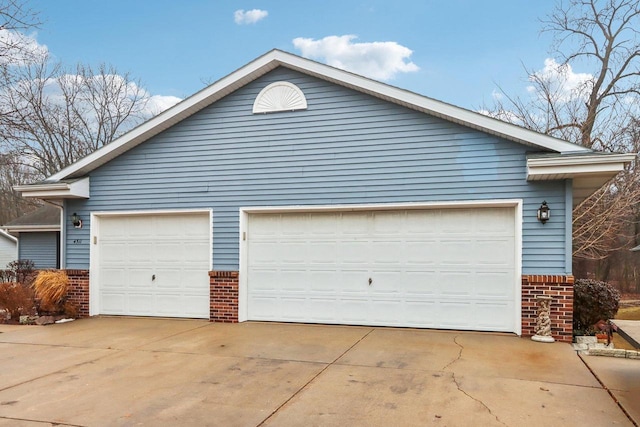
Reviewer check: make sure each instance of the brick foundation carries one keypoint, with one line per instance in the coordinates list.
(79, 290)
(560, 288)
(223, 296)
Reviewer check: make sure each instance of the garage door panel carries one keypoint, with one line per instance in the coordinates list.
(113, 302)
(352, 252)
(456, 252)
(421, 313)
(429, 268)
(421, 283)
(269, 280)
(113, 278)
(321, 281)
(457, 315)
(140, 304)
(379, 251)
(423, 252)
(495, 252)
(114, 253)
(352, 282)
(354, 312)
(458, 283)
(139, 278)
(493, 316)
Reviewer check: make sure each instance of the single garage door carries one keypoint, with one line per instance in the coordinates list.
(438, 268)
(154, 265)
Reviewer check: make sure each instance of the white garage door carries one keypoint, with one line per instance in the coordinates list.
(154, 265)
(439, 268)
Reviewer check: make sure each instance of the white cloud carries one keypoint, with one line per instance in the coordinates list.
(249, 17)
(565, 84)
(159, 103)
(19, 49)
(378, 60)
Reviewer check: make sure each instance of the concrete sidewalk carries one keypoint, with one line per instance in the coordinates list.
(124, 371)
(622, 378)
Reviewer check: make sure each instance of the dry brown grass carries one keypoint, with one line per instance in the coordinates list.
(51, 289)
(627, 313)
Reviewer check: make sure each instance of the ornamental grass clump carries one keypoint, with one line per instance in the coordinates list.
(51, 292)
(593, 301)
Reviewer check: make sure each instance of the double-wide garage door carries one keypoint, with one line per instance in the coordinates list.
(153, 264)
(437, 268)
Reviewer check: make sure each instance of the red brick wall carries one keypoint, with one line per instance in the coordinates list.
(223, 302)
(560, 288)
(79, 290)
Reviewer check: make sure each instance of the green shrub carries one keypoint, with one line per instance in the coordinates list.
(593, 301)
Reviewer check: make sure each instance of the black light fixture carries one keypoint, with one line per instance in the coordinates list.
(75, 219)
(544, 213)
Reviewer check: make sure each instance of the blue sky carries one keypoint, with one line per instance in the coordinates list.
(460, 50)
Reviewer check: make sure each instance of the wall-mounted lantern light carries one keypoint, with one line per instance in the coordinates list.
(544, 213)
(75, 219)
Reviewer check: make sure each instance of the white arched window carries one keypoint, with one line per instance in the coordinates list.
(279, 96)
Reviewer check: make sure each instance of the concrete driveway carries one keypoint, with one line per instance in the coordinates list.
(124, 371)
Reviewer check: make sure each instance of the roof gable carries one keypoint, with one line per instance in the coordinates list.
(277, 58)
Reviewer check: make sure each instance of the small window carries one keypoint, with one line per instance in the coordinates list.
(279, 96)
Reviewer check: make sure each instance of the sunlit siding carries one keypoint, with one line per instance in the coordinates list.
(346, 148)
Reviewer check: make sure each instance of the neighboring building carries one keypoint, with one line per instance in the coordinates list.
(8, 249)
(293, 191)
(38, 235)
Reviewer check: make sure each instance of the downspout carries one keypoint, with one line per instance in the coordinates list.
(568, 226)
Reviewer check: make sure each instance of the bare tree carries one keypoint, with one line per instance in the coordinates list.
(12, 172)
(597, 108)
(16, 18)
(52, 117)
(604, 35)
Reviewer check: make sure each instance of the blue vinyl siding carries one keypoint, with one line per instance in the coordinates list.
(39, 247)
(346, 148)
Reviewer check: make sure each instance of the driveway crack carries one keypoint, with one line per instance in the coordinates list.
(455, 380)
(455, 340)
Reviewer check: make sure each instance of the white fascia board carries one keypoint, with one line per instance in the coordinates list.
(575, 166)
(56, 190)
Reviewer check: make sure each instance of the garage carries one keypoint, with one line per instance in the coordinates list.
(151, 264)
(444, 268)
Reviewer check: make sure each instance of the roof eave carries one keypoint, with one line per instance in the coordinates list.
(77, 189)
(588, 172)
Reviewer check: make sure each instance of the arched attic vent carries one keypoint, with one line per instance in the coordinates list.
(279, 96)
